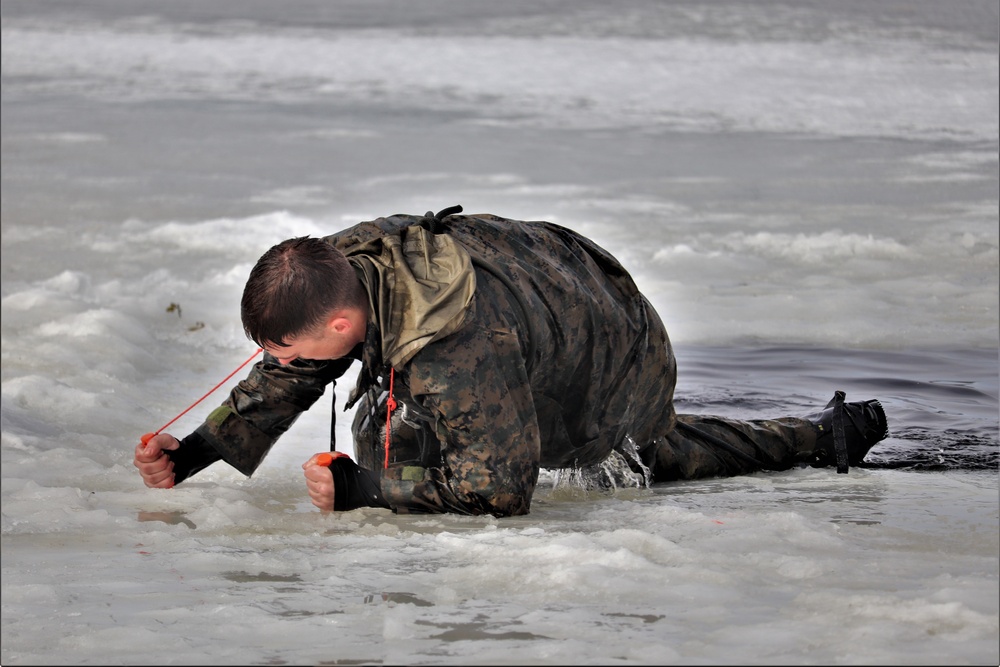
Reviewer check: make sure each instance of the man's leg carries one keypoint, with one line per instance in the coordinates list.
(707, 446)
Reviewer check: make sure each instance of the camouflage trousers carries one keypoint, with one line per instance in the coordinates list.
(702, 446)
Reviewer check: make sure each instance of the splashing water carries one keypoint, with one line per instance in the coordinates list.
(613, 474)
(631, 449)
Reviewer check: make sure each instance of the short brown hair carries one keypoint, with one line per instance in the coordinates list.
(294, 287)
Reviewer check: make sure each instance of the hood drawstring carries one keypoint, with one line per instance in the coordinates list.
(390, 405)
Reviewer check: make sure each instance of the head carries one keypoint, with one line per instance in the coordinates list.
(303, 299)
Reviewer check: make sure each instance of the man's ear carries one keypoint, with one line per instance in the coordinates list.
(340, 324)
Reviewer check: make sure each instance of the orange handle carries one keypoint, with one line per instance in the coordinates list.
(146, 438)
(325, 459)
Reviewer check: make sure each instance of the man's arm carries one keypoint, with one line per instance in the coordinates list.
(335, 482)
(257, 411)
(164, 461)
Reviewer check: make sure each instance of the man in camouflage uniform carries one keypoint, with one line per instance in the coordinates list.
(505, 346)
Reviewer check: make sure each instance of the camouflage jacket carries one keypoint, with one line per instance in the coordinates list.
(521, 344)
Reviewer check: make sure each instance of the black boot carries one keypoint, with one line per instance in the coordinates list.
(847, 431)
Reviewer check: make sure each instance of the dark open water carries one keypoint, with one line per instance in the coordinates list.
(941, 404)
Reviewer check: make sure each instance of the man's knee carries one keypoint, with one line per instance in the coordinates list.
(672, 458)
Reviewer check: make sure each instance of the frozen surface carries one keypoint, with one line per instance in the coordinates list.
(807, 192)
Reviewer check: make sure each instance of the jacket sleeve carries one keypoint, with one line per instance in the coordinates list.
(191, 457)
(475, 384)
(263, 406)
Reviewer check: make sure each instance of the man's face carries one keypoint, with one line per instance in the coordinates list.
(341, 333)
(328, 345)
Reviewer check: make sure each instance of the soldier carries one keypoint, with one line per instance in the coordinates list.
(489, 348)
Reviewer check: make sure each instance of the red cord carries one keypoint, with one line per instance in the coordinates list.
(146, 438)
(390, 405)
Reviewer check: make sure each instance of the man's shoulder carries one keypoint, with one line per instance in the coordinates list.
(491, 231)
(364, 232)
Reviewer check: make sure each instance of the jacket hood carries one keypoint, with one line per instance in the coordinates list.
(420, 286)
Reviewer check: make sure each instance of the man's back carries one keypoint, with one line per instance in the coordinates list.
(590, 344)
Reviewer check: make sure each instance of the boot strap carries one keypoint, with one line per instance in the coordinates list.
(839, 439)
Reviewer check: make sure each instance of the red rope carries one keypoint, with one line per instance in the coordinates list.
(148, 436)
(390, 405)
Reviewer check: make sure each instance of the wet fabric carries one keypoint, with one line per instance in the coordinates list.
(521, 345)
